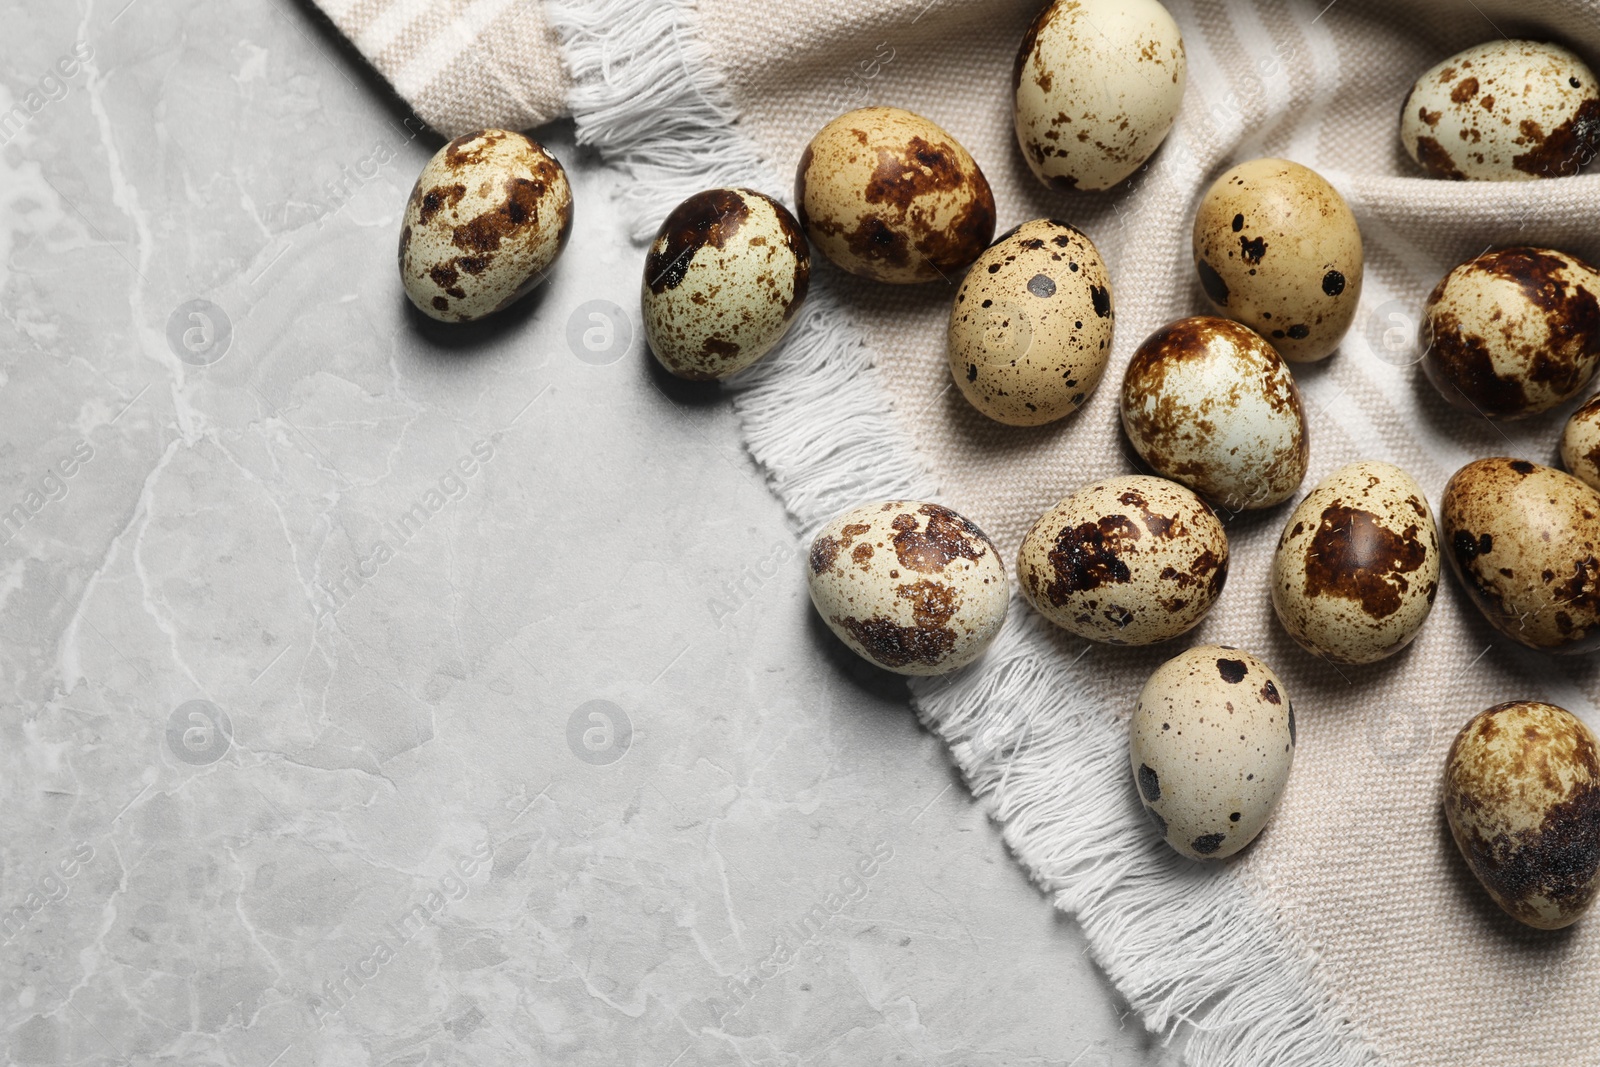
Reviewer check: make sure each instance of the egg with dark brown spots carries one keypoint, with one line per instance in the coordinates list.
(1211, 745)
(1278, 249)
(1357, 566)
(1524, 540)
(486, 220)
(1508, 110)
(888, 195)
(1522, 796)
(1030, 326)
(1580, 443)
(1513, 332)
(910, 586)
(723, 281)
(1209, 403)
(1126, 561)
(1098, 85)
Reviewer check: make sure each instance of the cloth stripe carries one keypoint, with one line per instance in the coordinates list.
(462, 65)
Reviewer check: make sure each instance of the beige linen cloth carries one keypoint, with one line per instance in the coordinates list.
(1350, 932)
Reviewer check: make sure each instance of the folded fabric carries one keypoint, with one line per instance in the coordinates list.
(461, 64)
(1351, 932)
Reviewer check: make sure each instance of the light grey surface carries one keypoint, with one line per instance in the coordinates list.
(412, 843)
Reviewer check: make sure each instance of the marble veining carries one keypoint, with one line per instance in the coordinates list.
(381, 692)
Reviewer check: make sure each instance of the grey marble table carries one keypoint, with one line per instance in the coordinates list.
(379, 693)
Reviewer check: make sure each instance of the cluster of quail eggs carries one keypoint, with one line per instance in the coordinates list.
(1209, 403)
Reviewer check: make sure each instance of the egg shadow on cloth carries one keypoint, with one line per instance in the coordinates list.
(1333, 688)
(480, 337)
(1480, 434)
(975, 430)
(1461, 602)
(1245, 523)
(865, 298)
(1539, 945)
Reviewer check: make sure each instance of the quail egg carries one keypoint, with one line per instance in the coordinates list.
(888, 195)
(1509, 110)
(1211, 744)
(1525, 542)
(912, 587)
(1357, 566)
(1513, 332)
(1127, 561)
(1098, 85)
(1209, 403)
(722, 282)
(1580, 443)
(1522, 796)
(1278, 249)
(1030, 328)
(486, 220)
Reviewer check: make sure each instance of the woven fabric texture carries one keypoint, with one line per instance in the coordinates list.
(462, 65)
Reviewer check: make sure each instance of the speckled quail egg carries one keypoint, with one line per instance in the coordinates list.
(1524, 540)
(910, 586)
(1278, 249)
(1508, 110)
(1211, 744)
(1512, 332)
(1098, 85)
(1580, 443)
(1030, 328)
(1127, 561)
(1522, 796)
(722, 282)
(888, 195)
(1357, 566)
(1209, 403)
(486, 220)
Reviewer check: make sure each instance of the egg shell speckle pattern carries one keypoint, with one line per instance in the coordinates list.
(1278, 249)
(1127, 561)
(1030, 328)
(1211, 745)
(723, 280)
(1513, 332)
(1524, 540)
(1522, 796)
(1098, 85)
(887, 194)
(1508, 110)
(1357, 565)
(487, 218)
(1209, 403)
(910, 586)
(1580, 443)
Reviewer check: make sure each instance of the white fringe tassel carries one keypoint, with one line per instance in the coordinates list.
(648, 97)
(1186, 945)
(1181, 940)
